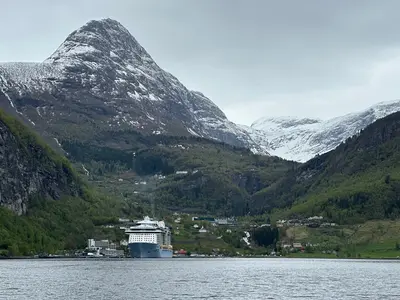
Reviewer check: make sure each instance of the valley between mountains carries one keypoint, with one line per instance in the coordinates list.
(98, 132)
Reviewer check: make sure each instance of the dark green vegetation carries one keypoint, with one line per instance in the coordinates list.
(373, 239)
(265, 236)
(225, 240)
(220, 179)
(45, 205)
(358, 181)
(25, 156)
(51, 225)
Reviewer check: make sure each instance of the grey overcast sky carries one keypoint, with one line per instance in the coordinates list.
(253, 58)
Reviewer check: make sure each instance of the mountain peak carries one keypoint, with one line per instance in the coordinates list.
(104, 22)
(100, 37)
(101, 78)
(107, 28)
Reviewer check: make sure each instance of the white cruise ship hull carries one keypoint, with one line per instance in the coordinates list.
(148, 250)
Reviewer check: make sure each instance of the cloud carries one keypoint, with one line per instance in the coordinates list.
(380, 83)
(252, 58)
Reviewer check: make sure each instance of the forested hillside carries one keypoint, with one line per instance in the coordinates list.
(44, 205)
(200, 175)
(357, 181)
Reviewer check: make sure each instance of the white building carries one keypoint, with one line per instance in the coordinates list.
(102, 244)
(104, 247)
(181, 172)
(202, 230)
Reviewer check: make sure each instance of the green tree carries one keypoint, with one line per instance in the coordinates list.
(13, 250)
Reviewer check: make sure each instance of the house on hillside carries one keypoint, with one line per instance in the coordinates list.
(202, 230)
(181, 172)
(209, 219)
(280, 223)
(123, 220)
(297, 246)
(225, 221)
(99, 245)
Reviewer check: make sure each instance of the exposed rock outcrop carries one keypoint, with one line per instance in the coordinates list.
(29, 169)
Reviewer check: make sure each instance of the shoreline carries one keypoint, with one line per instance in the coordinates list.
(194, 257)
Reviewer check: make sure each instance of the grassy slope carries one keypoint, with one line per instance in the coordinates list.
(372, 239)
(217, 239)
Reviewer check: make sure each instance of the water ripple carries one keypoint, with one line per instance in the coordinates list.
(199, 279)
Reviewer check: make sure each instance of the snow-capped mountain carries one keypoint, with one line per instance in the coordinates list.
(300, 139)
(101, 79)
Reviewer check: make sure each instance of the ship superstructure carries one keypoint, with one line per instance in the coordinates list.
(149, 239)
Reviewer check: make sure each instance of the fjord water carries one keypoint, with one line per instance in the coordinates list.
(199, 279)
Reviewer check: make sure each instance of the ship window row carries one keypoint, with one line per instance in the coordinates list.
(144, 238)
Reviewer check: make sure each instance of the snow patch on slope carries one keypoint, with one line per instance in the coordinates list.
(29, 73)
(300, 139)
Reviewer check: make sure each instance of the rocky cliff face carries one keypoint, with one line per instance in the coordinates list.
(301, 139)
(29, 169)
(102, 79)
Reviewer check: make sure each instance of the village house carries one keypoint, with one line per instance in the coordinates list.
(181, 172)
(202, 230)
(104, 248)
(297, 245)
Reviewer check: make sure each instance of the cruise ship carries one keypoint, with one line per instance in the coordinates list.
(149, 239)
